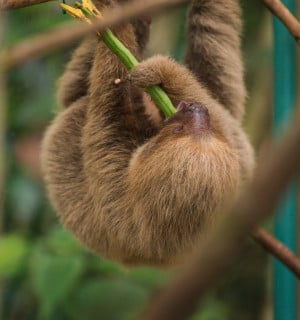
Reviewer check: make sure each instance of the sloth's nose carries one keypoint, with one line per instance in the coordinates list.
(197, 108)
(195, 113)
(192, 107)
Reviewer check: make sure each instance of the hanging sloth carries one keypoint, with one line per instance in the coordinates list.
(131, 185)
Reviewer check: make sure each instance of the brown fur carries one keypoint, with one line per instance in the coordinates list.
(135, 191)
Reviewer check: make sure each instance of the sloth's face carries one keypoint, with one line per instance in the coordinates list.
(191, 118)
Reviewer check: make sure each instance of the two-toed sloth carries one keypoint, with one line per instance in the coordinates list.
(130, 185)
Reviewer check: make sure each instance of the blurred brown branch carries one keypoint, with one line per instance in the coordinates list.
(2, 147)
(218, 249)
(283, 14)
(15, 4)
(2, 123)
(277, 249)
(65, 35)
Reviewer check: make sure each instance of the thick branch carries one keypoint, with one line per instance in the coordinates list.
(226, 240)
(283, 14)
(65, 35)
(15, 4)
(277, 249)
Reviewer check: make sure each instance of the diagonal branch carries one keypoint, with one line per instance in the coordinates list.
(278, 250)
(15, 4)
(65, 35)
(217, 251)
(286, 17)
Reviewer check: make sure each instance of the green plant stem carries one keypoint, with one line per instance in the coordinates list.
(156, 93)
(117, 47)
(126, 57)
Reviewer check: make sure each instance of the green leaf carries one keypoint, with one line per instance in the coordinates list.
(212, 309)
(53, 279)
(61, 242)
(106, 267)
(148, 277)
(108, 299)
(13, 251)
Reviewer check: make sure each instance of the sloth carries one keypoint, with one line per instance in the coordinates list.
(135, 187)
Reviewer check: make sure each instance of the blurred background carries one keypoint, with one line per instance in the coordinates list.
(45, 273)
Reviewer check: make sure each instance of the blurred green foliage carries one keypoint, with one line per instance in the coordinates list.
(45, 272)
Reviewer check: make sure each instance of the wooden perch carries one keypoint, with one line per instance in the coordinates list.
(16, 4)
(217, 251)
(286, 17)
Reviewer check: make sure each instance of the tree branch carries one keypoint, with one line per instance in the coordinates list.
(2, 123)
(286, 17)
(15, 4)
(67, 34)
(277, 249)
(2, 147)
(219, 248)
